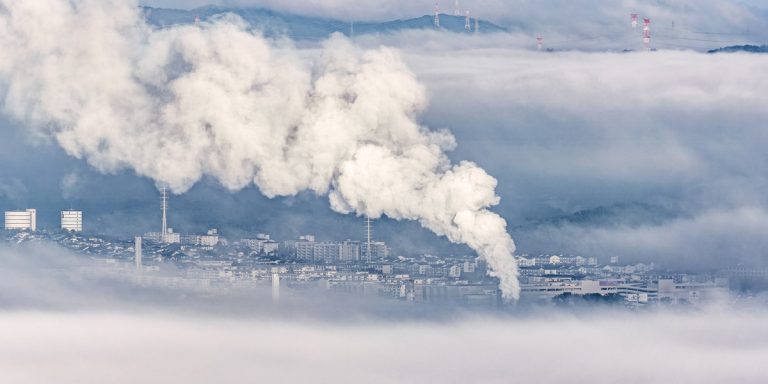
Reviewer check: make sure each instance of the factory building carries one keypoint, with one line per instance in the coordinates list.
(20, 220)
(72, 221)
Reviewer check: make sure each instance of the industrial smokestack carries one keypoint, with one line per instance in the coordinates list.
(275, 287)
(240, 112)
(137, 253)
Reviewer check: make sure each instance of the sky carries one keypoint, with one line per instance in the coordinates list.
(661, 152)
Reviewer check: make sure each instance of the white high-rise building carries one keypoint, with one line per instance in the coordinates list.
(350, 250)
(21, 219)
(72, 221)
(326, 251)
(305, 247)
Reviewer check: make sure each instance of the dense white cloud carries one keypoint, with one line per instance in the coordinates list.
(710, 347)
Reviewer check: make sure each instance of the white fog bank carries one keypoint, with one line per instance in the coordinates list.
(713, 347)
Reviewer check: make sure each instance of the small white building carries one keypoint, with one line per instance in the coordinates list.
(72, 221)
(20, 220)
(210, 239)
(170, 237)
(261, 244)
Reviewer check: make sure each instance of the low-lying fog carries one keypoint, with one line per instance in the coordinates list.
(114, 347)
(57, 326)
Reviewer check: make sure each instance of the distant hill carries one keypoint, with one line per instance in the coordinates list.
(631, 214)
(308, 28)
(741, 48)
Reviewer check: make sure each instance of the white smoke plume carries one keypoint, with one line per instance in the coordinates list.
(217, 100)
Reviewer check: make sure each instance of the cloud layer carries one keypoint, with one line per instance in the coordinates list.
(571, 131)
(707, 347)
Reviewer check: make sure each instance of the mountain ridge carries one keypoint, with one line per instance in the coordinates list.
(298, 27)
(741, 48)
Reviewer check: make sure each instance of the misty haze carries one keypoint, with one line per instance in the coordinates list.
(368, 191)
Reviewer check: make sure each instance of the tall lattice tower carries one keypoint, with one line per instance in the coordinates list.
(368, 238)
(456, 10)
(437, 15)
(164, 206)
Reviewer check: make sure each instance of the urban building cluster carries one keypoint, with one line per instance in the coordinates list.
(360, 267)
(546, 277)
(307, 248)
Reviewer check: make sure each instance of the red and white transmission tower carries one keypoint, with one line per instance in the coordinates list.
(437, 15)
(539, 42)
(647, 33)
(633, 18)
